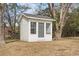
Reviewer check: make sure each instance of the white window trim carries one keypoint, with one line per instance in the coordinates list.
(30, 28)
(50, 28)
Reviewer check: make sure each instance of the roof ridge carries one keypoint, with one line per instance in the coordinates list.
(33, 15)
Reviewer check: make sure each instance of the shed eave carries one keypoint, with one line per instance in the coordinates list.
(38, 18)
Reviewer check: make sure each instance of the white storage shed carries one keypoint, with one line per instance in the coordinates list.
(35, 28)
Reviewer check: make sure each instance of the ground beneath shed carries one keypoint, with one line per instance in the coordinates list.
(58, 47)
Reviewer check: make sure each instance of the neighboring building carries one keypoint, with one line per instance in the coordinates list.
(35, 28)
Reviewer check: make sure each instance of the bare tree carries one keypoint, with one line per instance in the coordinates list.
(52, 10)
(12, 12)
(1, 26)
(63, 11)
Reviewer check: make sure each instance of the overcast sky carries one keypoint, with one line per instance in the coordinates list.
(32, 10)
(33, 7)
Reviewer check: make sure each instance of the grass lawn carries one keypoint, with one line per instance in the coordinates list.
(57, 47)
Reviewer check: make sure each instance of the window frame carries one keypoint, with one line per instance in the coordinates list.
(47, 29)
(32, 27)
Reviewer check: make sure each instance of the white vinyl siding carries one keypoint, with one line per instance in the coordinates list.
(33, 30)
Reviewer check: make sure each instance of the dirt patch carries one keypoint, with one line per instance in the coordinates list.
(58, 47)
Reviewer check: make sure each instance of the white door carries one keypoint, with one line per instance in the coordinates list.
(40, 30)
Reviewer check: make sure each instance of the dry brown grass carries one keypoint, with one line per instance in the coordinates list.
(58, 47)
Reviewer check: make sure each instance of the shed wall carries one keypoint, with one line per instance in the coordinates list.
(24, 29)
(34, 37)
(25, 34)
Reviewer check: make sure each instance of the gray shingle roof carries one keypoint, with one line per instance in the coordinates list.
(38, 16)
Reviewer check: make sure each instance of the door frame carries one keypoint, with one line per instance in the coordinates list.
(41, 32)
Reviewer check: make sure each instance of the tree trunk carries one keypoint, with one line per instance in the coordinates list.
(52, 10)
(15, 17)
(53, 14)
(1, 26)
(59, 30)
(61, 23)
(62, 20)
